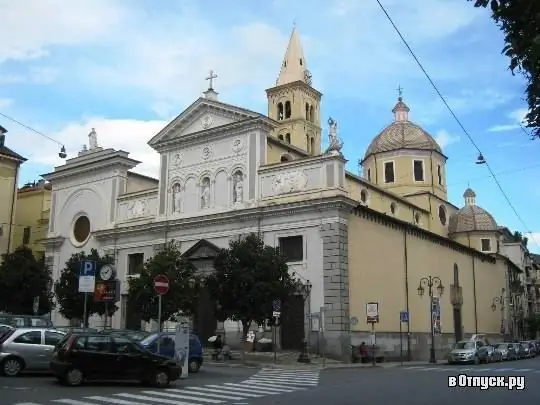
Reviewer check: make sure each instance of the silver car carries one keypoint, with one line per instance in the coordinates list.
(27, 349)
(467, 351)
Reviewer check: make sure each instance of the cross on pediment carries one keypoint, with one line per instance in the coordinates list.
(210, 79)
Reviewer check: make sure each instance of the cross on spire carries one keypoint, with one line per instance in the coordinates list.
(210, 79)
(400, 91)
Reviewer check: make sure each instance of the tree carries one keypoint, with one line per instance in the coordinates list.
(519, 20)
(183, 286)
(70, 301)
(248, 277)
(23, 279)
(533, 325)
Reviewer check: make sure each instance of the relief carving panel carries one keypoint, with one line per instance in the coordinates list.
(135, 208)
(290, 182)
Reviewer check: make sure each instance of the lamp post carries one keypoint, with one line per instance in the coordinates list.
(305, 290)
(431, 283)
(500, 302)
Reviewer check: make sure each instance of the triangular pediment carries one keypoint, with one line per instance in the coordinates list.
(202, 250)
(203, 114)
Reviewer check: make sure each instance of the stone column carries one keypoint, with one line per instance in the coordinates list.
(336, 289)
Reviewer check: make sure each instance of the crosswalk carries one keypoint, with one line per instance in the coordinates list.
(474, 369)
(265, 382)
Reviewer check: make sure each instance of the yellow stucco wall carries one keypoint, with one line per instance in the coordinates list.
(274, 151)
(377, 273)
(8, 170)
(33, 207)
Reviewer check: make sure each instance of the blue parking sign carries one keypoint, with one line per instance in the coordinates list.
(404, 316)
(88, 268)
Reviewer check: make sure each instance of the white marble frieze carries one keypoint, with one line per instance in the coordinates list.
(137, 206)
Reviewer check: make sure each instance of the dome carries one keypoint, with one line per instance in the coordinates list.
(471, 217)
(402, 134)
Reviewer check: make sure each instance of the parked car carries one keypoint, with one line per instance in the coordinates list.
(98, 356)
(166, 348)
(520, 350)
(467, 351)
(74, 329)
(5, 329)
(530, 348)
(507, 351)
(26, 321)
(488, 354)
(28, 349)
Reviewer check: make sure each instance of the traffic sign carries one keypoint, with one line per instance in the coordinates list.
(372, 312)
(276, 305)
(87, 276)
(404, 316)
(161, 284)
(276, 314)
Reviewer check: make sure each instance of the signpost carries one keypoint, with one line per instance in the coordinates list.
(403, 318)
(181, 345)
(87, 284)
(372, 317)
(276, 314)
(436, 315)
(161, 287)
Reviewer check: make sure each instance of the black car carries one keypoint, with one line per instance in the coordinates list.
(98, 356)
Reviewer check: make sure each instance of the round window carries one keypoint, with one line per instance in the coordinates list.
(442, 214)
(364, 196)
(81, 229)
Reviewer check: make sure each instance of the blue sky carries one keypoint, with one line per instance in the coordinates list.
(126, 67)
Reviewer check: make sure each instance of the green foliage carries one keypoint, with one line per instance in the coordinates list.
(533, 325)
(22, 279)
(183, 286)
(519, 20)
(248, 277)
(518, 237)
(70, 301)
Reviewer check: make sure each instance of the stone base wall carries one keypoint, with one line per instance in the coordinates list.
(420, 343)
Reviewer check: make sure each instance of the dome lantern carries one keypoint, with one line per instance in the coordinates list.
(470, 197)
(401, 111)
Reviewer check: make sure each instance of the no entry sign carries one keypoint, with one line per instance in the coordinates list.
(161, 284)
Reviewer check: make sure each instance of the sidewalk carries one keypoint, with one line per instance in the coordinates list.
(288, 360)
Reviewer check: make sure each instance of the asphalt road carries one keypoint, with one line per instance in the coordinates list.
(408, 385)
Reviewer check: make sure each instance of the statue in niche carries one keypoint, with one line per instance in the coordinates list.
(205, 193)
(177, 197)
(238, 187)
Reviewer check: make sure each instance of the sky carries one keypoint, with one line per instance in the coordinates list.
(127, 67)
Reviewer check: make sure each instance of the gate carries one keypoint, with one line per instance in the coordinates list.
(292, 323)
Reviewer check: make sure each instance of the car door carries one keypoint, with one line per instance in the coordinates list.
(128, 364)
(97, 357)
(50, 342)
(28, 346)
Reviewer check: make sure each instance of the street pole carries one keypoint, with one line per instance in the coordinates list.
(373, 360)
(400, 341)
(85, 311)
(432, 349)
(106, 314)
(159, 321)
(274, 337)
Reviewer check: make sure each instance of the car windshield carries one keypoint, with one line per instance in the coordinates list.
(148, 340)
(137, 336)
(465, 345)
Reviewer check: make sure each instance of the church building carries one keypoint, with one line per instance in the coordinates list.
(389, 237)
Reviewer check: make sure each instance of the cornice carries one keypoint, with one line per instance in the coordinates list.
(53, 242)
(297, 85)
(136, 194)
(286, 209)
(301, 162)
(70, 171)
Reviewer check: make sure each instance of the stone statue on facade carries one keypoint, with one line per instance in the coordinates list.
(205, 193)
(335, 144)
(177, 198)
(92, 139)
(238, 188)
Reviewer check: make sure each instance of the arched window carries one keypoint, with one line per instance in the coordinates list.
(285, 158)
(308, 144)
(288, 111)
(288, 138)
(280, 111)
(442, 215)
(393, 208)
(280, 137)
(311, 115)
(312, 145)
(307, 111)
(364, 196)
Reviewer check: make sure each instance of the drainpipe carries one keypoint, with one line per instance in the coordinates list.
(12, 211)
(474, 296)
(405, 263)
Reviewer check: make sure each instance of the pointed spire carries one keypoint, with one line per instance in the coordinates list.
(294, 66)
(470, 197)
(400, 110)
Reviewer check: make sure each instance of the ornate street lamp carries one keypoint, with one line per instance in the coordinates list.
(431, 283)
(305, 290)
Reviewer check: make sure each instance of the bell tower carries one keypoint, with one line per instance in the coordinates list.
(294, 103)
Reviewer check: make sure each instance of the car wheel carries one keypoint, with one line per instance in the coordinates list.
(194, 366)
(161, 378)
(12, 367)
(73, 377)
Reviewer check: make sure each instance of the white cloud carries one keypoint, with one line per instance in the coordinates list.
(517, 118)
(444, 138)
(5, 102)
(125, 134)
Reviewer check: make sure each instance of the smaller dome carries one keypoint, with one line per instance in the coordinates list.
(402, 134)
(471, 217)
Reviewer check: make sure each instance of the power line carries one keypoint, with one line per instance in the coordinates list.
(30, 128)
(458, 121)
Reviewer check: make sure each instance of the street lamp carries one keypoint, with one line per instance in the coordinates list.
(431, 282)
(305, 290)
